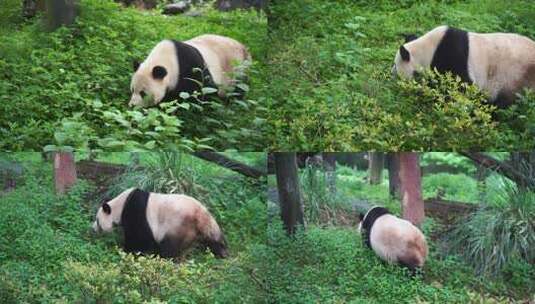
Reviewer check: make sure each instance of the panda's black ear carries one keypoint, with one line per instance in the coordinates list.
(159, 72)
(361, 216)
(135, 65)
(106, 208)
(409, 37)
(405, 55)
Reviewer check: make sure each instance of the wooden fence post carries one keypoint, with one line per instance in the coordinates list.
(64, 171)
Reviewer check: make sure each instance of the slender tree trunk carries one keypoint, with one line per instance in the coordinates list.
(329, 167)
(60, 12)
(64, 171)
(375, 166)
(412, 204)
(289, 193)
(393, 175)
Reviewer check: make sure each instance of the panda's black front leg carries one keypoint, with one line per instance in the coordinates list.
(170, 247)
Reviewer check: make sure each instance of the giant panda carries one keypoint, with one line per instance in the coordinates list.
(174, 66)
(393, 239)
(500, 64)
(166, 224)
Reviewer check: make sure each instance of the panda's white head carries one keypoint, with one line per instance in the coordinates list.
(104, 219)
(109, 214)
(155, 76)
(416, 54)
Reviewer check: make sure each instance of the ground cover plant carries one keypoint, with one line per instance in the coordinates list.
(71, 87)
(48, 253)
(327, 262)
(333, 89)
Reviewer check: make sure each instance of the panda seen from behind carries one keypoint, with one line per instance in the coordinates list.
(501, 64)
(166, 224)
(174, 66)
(393, 239)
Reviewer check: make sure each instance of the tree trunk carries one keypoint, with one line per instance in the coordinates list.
(412, 204)
(375, 166)
(60, 12)
(289, 193)
(31, 7)
(329, 167)
(393, 175)
(64, 171)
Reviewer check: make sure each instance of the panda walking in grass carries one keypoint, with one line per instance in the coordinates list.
(393, 239)
(173, 67)
(166, 224)
(501, 64)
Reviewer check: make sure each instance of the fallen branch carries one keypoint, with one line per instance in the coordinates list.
(498, 166)
(230, 164)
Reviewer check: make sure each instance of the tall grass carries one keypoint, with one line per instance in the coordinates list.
(322, 203)
(501, 232)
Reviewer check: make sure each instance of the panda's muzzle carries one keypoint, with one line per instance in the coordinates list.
(394, 71)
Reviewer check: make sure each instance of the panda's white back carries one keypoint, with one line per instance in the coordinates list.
(218, 53)
(166, 213)
(500, 61)
(391, 238)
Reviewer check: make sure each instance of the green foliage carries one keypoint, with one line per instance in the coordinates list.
(72, 85)
(321, 203)
(48, 254)
(501, 232)
(333, 89)
(456, 187)
(331, 265)
(449, 159)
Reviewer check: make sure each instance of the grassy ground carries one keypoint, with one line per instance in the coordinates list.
(332, 88)
(86, 69)
(48, 254)
(328, 263)
(331, 265)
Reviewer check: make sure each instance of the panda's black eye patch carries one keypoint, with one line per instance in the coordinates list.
(142, 94)
(159, 72)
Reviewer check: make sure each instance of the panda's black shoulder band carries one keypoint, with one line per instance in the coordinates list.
(192, 70)
(137, 233)
(370, 218)
(451, 54)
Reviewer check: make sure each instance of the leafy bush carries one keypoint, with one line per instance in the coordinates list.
(499, 233)
(77, 79)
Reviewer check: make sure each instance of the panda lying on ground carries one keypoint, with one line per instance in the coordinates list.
(173, 67)
(501, 64)
(166, 224)
(393, 239)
